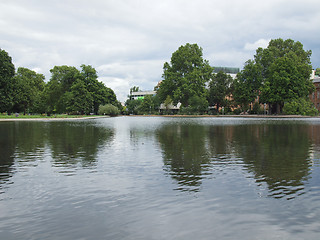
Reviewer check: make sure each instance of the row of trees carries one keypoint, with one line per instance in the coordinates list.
(69, 90)
(278, 75)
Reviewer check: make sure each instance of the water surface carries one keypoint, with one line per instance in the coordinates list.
(160, 178)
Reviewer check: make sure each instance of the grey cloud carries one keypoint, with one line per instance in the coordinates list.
(128, 41)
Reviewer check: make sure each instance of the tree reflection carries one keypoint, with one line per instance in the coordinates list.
(184, 154)
(76, 144)
(277, 155)
(7, 148)
(68, 144)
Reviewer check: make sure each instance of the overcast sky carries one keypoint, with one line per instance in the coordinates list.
(128, 41)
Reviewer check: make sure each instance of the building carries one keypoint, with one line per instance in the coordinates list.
(228, 70)
(315, 96)
(141, 94)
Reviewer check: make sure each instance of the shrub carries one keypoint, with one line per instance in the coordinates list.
(108, 109)
(300, 106)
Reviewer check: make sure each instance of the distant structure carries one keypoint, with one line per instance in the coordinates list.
(141, 94)
(315, 96)
(228, 70)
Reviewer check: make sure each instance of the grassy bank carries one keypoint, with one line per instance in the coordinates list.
(43, 116)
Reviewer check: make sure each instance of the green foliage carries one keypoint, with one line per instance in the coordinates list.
(79, 100)
(185, 76)
(148, 105)
(63, 92)
(198, 105)
(278, 74)
(133, 106)
(317, 72)
(247, 84)
(108, 109)
(302, 106)
(286, 70)
(219, 89)
(7, 87)
(256, 109)
(29, 87)
(69, 90)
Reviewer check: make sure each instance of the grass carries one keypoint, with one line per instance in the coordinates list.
(13, 116)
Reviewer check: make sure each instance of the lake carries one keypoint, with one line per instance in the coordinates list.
(160, 178)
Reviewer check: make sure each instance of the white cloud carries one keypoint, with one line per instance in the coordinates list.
(263, 43)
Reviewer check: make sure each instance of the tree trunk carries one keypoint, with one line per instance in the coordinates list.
(278, 108)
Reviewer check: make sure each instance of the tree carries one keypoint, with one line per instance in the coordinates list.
(7, 72)
(67, 82)
(185, 76)
(285, 71)
(79, 100)
(101, 94)
(62, 78)
(219, 89)
(29, 86)
(147, 105)
(133, 105)
(108, 109)
(246, 86)
(317, 73)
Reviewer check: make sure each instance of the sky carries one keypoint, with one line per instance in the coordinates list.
(128, 41)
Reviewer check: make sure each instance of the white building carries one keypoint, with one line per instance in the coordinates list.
(141, 94)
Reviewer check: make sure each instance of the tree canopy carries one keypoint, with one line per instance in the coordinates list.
(219, 89)
(185, 76)
(7, 72)
(69, 90)
(278, 74)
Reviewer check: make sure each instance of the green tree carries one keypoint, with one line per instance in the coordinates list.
(185, 76)
(198, 104)
(219, 89)
(147, 105)
(108, 109)
(101, 94)
(301, 106)
(79, 100)
(285, 71)
(65, 84)
(246, 86)
(317, 73)
(133, 106)
(7, 72)
(62, 78)
(29, 86)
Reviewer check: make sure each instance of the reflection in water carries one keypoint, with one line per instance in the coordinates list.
(277, 155)
(71, 144)
(76, 144)
(7, 147)
(184, 154)
(114, 178)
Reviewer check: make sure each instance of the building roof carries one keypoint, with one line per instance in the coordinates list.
(143, 93)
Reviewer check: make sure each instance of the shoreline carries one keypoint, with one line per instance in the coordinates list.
(172, 116)
(226, 116)
(49, 119)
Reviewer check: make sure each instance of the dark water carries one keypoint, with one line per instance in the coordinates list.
(160, 178)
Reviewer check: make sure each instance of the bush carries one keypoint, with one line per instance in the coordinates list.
(237, 111)
(256, 109)
(300, 106)
(108, 109)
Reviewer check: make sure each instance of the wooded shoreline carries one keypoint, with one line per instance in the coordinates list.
(173, 116)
